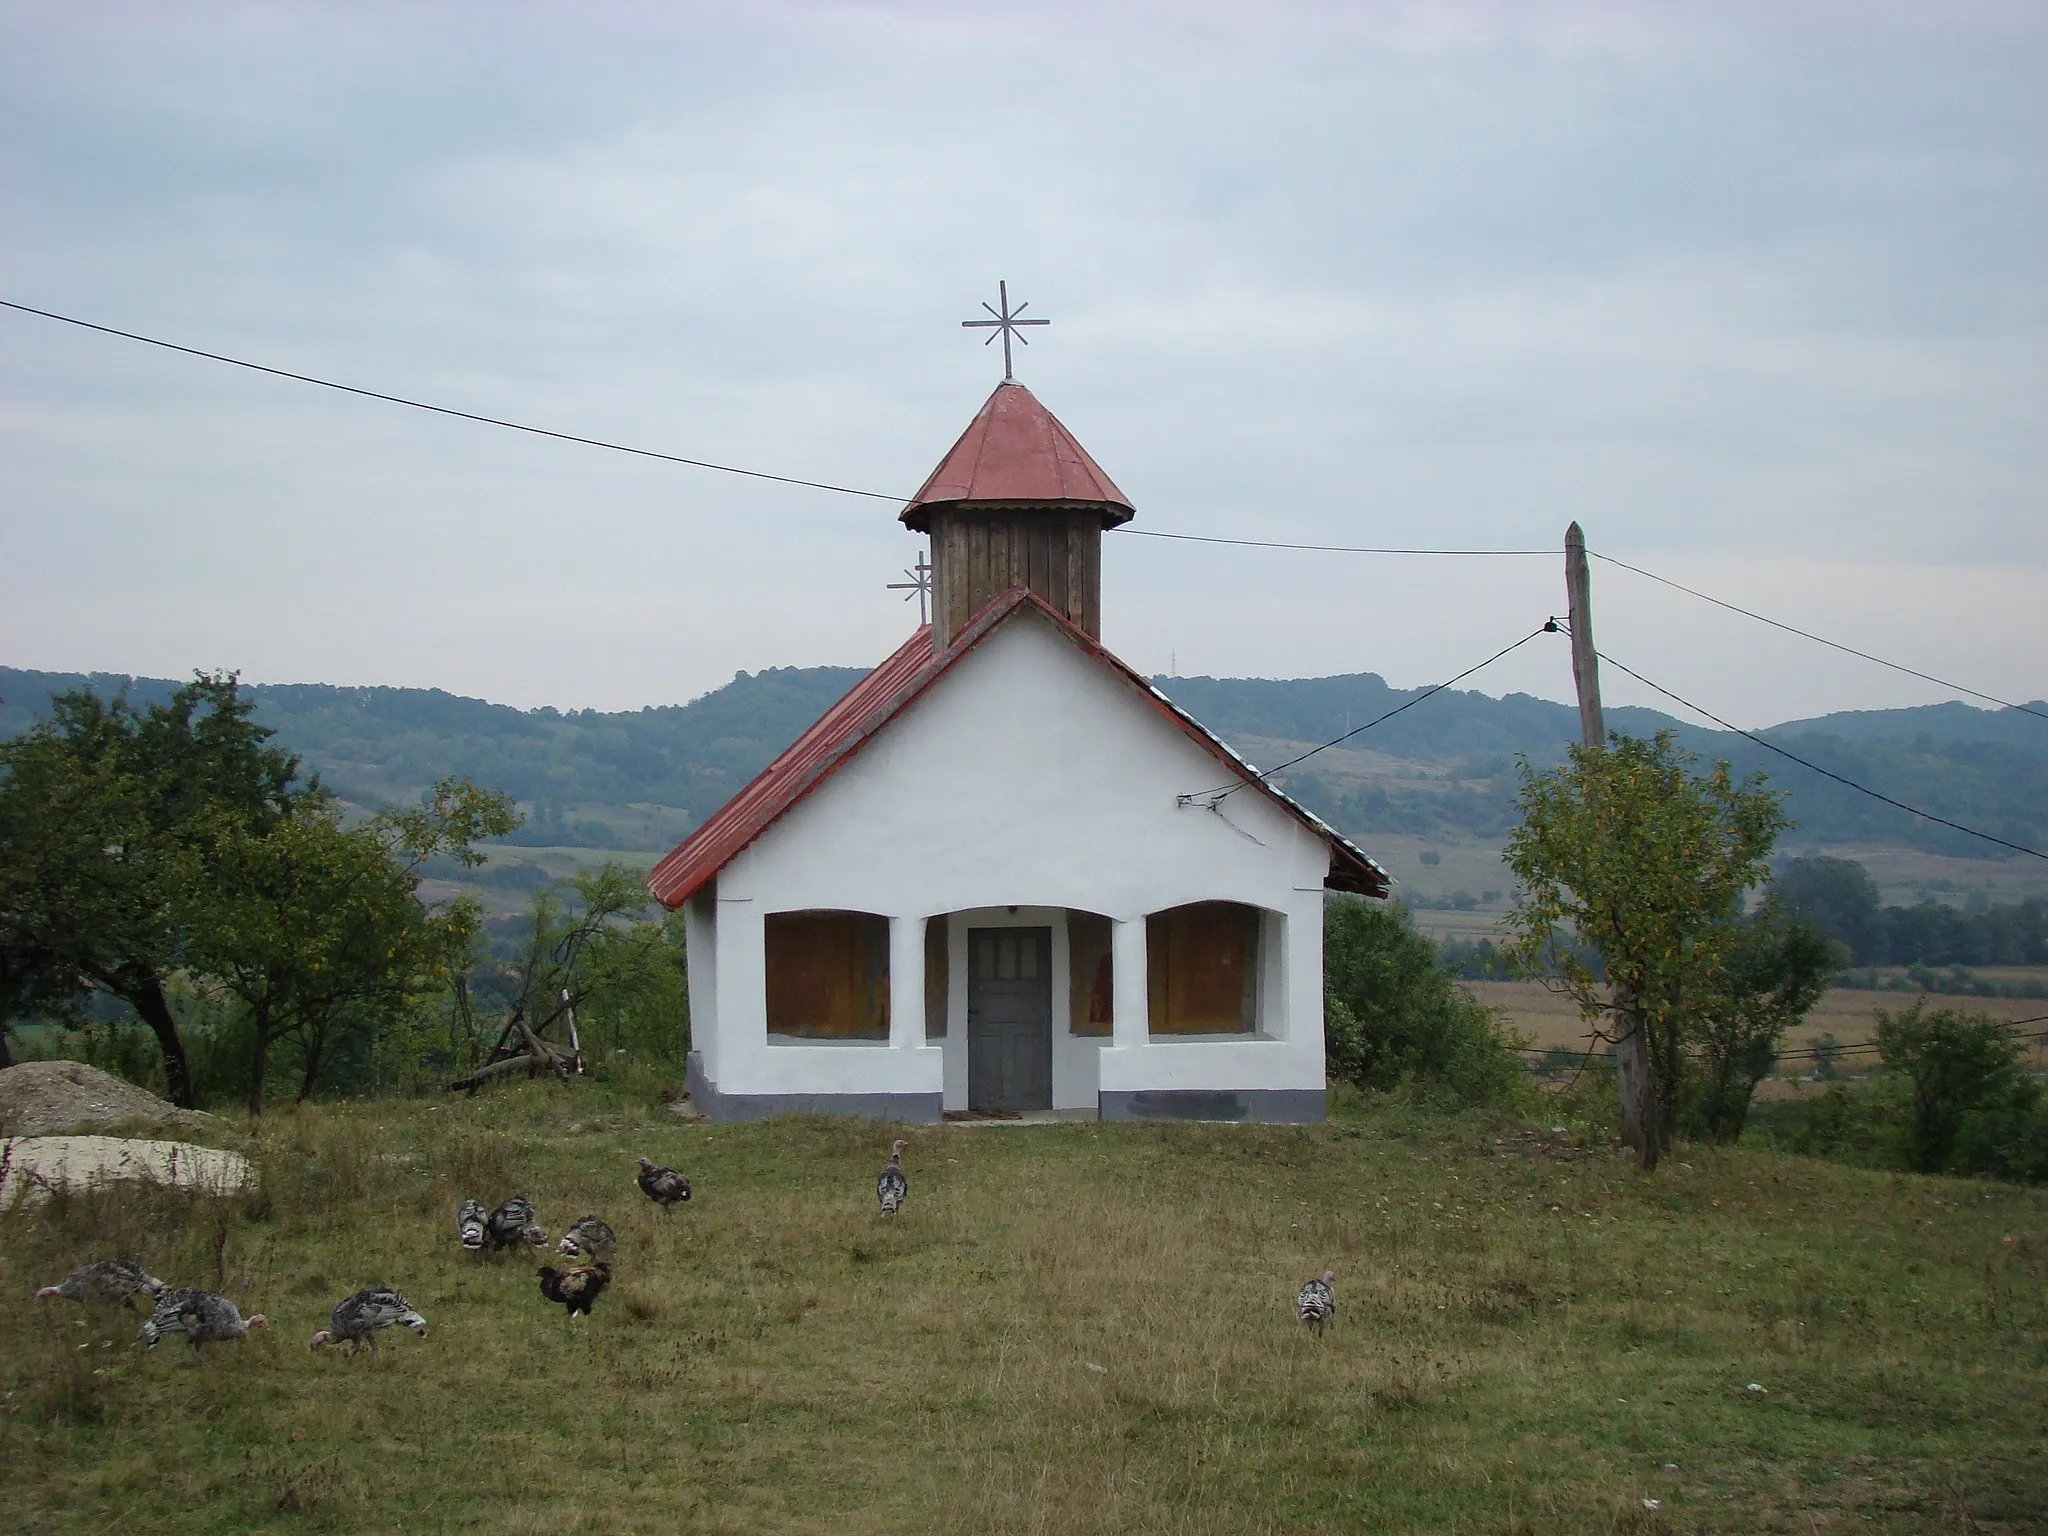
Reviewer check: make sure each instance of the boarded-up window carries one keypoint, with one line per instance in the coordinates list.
(1201, 969)
(1091, 980)
(937, 977)
(828, 975)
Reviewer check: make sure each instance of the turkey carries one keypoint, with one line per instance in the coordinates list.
(1316, 1304)
(470, 1226)
(576, 1289)
(201, 1316)
(512, 1224)
(587, 1238)
(106, 1282)
(891, 1188)
(364, 1315)
(664, 1186)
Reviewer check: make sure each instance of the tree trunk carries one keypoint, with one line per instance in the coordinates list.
(261, 1020)
(6, 1059)
(1642, 1124)
(143, 991)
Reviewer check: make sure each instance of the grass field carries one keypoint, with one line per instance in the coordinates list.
(1073, 1328)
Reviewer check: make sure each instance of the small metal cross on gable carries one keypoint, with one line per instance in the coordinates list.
(1005, 325)
(920, 584)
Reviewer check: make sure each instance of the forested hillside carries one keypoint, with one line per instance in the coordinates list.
(638, 780)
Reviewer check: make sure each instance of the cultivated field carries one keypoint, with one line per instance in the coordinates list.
(1073, 1328)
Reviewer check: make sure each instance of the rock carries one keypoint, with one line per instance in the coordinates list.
(38, 1097)
(32, 1166)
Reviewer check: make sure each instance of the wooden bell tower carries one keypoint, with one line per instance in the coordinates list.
(1016, 503)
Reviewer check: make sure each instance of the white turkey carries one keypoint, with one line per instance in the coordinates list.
(105, 1282)
(366, 1314)
(664, 1186)
(471, 1225)
(512, 1224)
(587, 1238)
(891, 1187)
(201, 1316)
(1316, 1304)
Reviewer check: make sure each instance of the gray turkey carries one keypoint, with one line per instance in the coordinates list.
(891, 1188)
(364, 1315)
(1316, 1304)
(201, 1316)
(587, 1238)
(512, 1224)
(576, 1289)
(471, 1225)
(664, 1186)
(105, 1282)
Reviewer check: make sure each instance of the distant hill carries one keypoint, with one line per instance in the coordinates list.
(639, 780)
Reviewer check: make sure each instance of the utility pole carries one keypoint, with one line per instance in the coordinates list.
(1641, 1127)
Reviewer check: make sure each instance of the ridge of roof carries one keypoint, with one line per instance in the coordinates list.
(869, 706)
(1015, 450)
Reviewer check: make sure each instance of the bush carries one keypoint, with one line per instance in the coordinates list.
(1394, 1015)
(1953, 1097)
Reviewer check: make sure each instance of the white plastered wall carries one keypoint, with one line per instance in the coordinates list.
(1028, 776)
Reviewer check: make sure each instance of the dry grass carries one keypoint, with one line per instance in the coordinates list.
(1074, 1328)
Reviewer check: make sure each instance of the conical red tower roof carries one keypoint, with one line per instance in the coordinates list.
(1015, 451)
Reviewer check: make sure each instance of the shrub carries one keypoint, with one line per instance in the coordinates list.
(1393, 1014)
(1974, 1108)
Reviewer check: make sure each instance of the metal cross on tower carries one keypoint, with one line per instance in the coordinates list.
(919, 585)
(1005, 325)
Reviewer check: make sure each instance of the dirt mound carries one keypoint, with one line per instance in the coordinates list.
(38, 1097)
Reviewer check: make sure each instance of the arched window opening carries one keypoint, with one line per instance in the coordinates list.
(1203, 968)
(828, 975)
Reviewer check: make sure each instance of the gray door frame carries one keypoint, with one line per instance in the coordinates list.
(1009, 1020)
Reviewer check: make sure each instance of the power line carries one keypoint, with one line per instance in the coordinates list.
(1807, 634)
(1548, 627)
(443, 410)
(1327, 549)
(1823, 772)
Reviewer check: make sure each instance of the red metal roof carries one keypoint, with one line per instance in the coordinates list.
(1016, 450)
(877, 698)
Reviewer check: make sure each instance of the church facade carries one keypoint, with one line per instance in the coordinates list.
(1005, 873)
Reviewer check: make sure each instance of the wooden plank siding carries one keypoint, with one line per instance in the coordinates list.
(979, 555)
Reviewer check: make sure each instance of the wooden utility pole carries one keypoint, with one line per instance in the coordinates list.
(1641, 1126)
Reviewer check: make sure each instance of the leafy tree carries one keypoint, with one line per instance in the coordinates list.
(99, 808)
(1393, 1014)
(1974, 1108)
(1775, 971)
(1839, 897)
(1629, 851)
(316, 928)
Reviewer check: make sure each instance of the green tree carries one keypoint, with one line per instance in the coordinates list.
(1841, 899)
(1393, 1013)
(316, 928)
(1626, 850)
(99, 808)
(1974, 1108)
(1775, 971)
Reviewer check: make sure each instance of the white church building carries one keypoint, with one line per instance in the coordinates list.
(1005, 873)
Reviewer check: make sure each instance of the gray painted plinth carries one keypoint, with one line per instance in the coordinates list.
(918, 1108)
(1267, 1106)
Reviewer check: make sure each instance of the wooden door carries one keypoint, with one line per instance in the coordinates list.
(1009, 1018)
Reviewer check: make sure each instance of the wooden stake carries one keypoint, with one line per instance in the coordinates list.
(1641, 1126)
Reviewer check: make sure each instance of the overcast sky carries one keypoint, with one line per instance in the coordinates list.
(1761, 300)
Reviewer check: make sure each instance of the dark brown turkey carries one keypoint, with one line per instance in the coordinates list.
(664, 1186)
(366, 1314)
(107, 1283)
(576, 1289)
